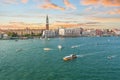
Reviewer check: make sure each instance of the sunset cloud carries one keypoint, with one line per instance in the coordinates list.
(107, 3)
(88, 9)
(110, 2)
(110, 12)
(103, 19)
(69, 5)
(13, 1)
(61, 12)
(8, 1)
(89, 2)
(113, 12)
(24, 1)
(50, 5)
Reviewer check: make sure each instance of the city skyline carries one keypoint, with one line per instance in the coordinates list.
(91, 13)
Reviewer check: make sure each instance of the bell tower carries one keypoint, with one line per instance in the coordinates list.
(47, 23)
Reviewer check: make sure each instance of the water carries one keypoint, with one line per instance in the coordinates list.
(98, 59)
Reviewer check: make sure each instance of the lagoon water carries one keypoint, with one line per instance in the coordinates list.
(98, 59)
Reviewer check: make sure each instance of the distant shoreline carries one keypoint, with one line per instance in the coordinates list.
(25, 38)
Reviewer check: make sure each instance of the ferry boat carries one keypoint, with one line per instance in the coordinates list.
(70, 57)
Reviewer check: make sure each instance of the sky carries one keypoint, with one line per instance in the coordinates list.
(62, 13)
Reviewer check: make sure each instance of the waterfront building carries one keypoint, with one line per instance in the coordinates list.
(1, 36)
(107, 32)
(70, 32)
(89, 32)
(26, 31)
(116, 32)
(5, 36)
(49, 33)
(99, 32)
(93, 33)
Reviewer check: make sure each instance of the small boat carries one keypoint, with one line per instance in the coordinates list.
(110, 57)
(70, 57)
(48, 39)
(46, 49)
(18, 50)
(59, 47)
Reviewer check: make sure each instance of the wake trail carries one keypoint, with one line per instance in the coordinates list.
(76, 46)
(89, 54)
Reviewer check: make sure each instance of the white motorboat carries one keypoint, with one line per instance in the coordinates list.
(70, 57)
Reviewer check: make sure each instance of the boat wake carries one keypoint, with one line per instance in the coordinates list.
(76, 46)
(111, 56)
(89, 54)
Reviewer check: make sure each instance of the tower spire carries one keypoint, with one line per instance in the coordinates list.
(47, 23)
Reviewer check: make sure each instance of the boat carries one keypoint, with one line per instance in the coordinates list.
(70, 57)
(59, 47)
(46, 49)
(110, 57)
(18, 50)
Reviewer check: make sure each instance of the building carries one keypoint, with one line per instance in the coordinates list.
(1, 33)
(89, 32)
(107, 32)
(70, 32)
(99, 32)
(5, 36)
(116, 32)
(48, 34)
(1, 36)
(21, 32)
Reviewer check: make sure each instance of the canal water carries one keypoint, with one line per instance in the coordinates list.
(98, 59)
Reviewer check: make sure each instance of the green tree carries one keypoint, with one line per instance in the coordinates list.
(12, 34)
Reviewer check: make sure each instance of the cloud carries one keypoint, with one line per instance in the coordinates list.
(52, 6)
(114, 11)
(49, 5)
(111, 2)
(89, 2)
(103, 19)
(67, 22)
(22, 25)
(8, 1)
(69, 5)
(24, 1)
(13, 1)
(47, 1)
(107, 3)
(92, 23)
(89, 9)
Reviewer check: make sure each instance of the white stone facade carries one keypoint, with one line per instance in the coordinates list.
(49, 33)
(117, 32)
(67, 32)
